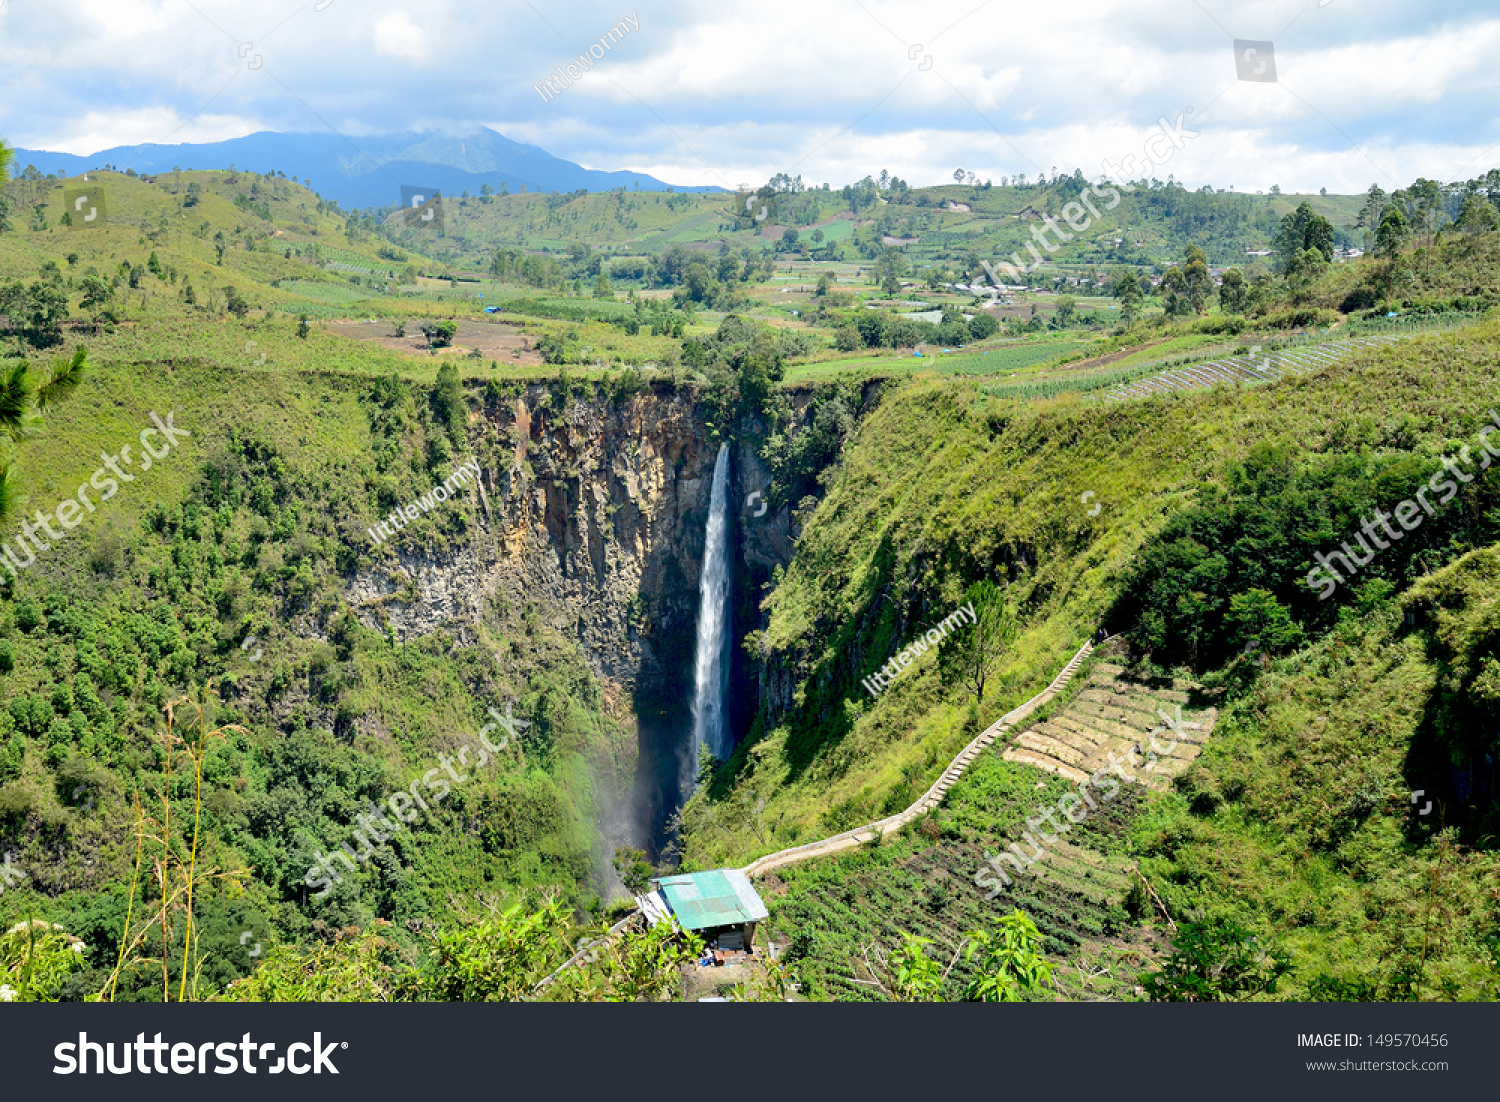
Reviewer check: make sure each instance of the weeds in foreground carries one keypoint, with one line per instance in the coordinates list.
(173, 870)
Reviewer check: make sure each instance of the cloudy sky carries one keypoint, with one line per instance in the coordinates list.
(1365, 90)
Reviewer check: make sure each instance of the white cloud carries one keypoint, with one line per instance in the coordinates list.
(98, 130)
(702, 94)
(397, 36)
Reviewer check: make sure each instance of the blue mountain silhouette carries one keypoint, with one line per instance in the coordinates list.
(368, 171)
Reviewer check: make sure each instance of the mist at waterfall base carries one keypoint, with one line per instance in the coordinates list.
(711, 652)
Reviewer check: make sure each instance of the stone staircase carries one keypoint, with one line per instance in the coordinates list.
(850, 839)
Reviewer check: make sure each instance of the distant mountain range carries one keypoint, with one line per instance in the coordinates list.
(365, 172)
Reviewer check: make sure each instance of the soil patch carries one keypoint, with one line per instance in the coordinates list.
(492, 339)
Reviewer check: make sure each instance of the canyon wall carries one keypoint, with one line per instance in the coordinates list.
(592, 512)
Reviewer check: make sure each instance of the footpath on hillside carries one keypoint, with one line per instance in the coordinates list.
(980, 853)
(849, 839)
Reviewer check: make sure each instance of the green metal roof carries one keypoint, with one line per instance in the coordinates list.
(720, 897)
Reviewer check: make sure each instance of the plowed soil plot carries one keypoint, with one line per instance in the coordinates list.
(494, 340)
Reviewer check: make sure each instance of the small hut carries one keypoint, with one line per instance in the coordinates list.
(719, 906)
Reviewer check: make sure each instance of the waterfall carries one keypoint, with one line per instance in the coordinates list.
(711, 654)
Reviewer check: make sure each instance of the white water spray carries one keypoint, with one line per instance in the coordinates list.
(711, 655)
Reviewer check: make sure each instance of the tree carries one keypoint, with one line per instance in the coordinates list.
(969, 654)
(302, 327)
(1256, 616)
(1426, 202)
(1304, 229)
(1128, 290)
(1234, 293)
(7, 154)
(37, 311)
(447, 402)
(1198, 285)
(1174, 293)
(1319, 235)
(889, 269)
(1304, 271)
(634, 870)
(1478, 215)
(1369, 214)
(234, 302)
(1010, 958)
(1063, 313)
(97, 293)
(439, 334)
(1217, 961)
(1391, 234)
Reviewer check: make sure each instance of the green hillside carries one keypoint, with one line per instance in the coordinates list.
(917, 445)
(942, 485)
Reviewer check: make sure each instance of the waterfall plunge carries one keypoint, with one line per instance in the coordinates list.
(711, 655)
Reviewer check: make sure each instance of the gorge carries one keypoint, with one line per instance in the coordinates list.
(610, 522)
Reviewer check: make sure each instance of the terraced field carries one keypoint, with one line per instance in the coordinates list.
(1244, 370)
(1096, 913)
(1120, 717)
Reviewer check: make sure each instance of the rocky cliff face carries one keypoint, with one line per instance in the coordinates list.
(594, 514)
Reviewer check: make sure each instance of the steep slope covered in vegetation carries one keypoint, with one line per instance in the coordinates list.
(1213, 506)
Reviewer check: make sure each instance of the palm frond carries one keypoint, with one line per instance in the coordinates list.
(66, 375)
(15, 400)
